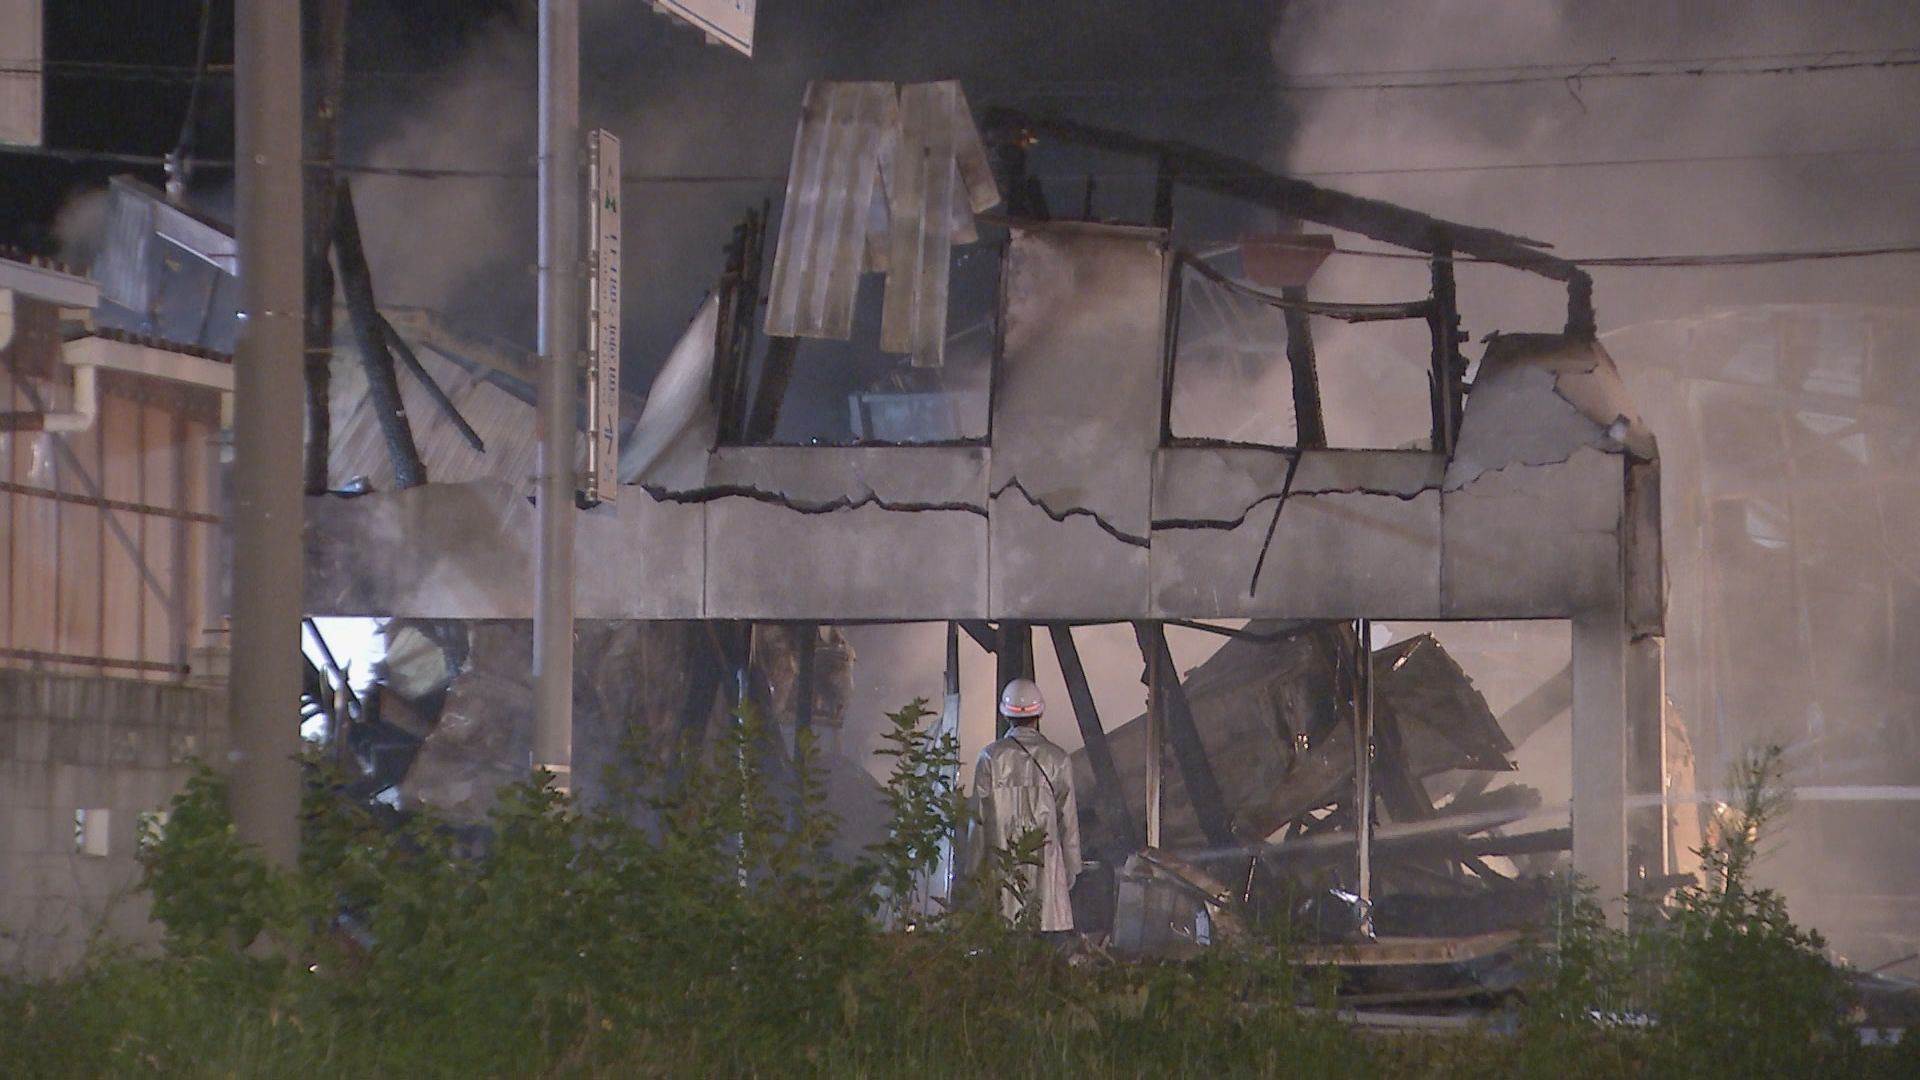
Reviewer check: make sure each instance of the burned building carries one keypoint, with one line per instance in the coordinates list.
(1535, 494)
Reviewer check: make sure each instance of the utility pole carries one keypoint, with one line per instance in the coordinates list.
(559, 334)
(268, 562)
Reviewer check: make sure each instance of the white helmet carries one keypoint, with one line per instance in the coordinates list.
(1021, 700)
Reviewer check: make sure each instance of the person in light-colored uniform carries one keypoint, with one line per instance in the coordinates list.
(1023, 781)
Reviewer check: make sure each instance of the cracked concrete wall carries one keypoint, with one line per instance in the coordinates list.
(1358, 531)
(1077, 419)
(843, 532)
(1076, 511)
(465, 551)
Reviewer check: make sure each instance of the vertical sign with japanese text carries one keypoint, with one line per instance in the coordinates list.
(603, 318)
(22, 82)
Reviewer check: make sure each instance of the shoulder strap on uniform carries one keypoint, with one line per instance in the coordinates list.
(1040, 767)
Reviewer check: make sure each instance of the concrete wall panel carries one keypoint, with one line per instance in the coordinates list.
(1069, 569)
(1078, 400)
(1360, 534)
(820, 477)
(465, 551)
(1534, 541)
(647, 560)
(771, 562)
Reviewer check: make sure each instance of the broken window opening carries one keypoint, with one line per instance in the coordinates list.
(1247, 358)
(822, 392)
(1230, 379)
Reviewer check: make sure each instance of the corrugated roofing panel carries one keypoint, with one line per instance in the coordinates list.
(823, 223)
(920, 200)
(471, 372)
(121, 266)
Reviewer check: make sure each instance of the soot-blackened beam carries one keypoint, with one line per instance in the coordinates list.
(776, 375)
(708, 664)
(383, 385)
(981, 633)
(1443, 321)
(803, 679)
(739, 300)
(325, 48)
(447, 408)
(1209, 170)
(1107, 794)
(1012, 659)
(1309, 423)
(1170, 697)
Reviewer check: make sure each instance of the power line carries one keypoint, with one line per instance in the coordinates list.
(1748, 64)
(112, 157)
(1723, 260)
(1727, 65)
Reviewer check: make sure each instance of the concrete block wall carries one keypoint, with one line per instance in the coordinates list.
(71, 743)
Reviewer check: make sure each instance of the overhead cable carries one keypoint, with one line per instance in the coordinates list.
(428, 172)
(1721, 66)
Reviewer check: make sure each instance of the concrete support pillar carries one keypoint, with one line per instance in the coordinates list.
(269, 394)
(560, 315)
(1649, 851)
(1600, 649)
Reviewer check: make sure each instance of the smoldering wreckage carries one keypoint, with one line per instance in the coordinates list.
(1000, 454)
(1351, 787)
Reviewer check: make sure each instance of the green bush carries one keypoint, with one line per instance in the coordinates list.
(694, 925)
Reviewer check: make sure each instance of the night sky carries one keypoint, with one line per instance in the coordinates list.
(91, 110)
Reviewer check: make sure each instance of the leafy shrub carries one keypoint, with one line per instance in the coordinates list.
(1719, 982)
(694, 925)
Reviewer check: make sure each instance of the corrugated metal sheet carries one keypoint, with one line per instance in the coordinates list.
(491, 382)
(823, 225)
(121, 266)
(503, 421)
(885, 179)
(166, 272)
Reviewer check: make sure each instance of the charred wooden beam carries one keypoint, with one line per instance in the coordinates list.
(1528, 715)
(1309, 422)
(739, 301)
(776, 375)
(1025, 198)
(1242, 179)
(1335, 847)
(1580, 316)
(447, 408)
(1169, 698)
(383, 385)
(1163, 176)
(1012, 659)
(981, 633)
(1443, 322)
(803, 678)
(703, 682)
(1108, 797)
(1401, 790)
(326, 51)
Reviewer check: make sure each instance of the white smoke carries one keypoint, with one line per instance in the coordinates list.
(1775, 188)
